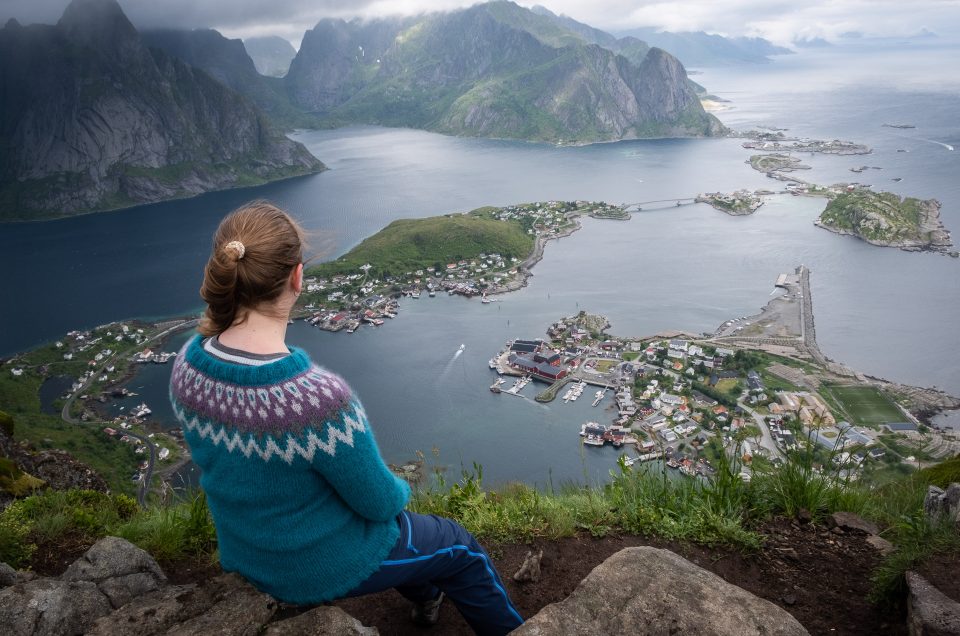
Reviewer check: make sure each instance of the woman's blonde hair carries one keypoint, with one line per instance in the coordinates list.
(254, 250)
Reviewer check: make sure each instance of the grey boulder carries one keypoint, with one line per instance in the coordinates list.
(647, 590)
(929, 611)
(325, 620)
(47, 607)
(120, 569)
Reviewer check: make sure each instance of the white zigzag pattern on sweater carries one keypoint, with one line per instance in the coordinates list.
(249, 446)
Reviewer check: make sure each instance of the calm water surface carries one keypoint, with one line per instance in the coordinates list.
(882, 311)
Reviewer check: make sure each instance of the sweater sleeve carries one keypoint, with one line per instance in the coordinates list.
(350, 461)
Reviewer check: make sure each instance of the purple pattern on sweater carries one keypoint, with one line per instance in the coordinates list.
(310, 397)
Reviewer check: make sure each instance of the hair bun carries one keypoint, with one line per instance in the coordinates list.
(236, 247)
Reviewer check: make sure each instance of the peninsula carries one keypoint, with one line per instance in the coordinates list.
(481, 253)
(754, 389)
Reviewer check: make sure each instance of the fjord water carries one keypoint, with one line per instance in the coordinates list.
(882, 311)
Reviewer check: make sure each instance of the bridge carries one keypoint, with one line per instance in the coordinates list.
(630, 207)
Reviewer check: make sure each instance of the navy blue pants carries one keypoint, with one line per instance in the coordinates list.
(435, 554)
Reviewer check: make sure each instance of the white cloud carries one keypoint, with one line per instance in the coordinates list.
(779, 20)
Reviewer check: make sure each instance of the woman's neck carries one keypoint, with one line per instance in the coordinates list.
(259, 333)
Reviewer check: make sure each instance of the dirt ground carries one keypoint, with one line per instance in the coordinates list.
(819, 577)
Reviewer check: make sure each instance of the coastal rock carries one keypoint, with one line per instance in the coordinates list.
(887, 220)
(929, 611)
(647, 590)
(325, 620)
(47, 607)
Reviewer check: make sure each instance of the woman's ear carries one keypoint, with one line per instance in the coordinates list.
(296, 279)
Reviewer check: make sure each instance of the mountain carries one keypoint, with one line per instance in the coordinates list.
(91, 118)
(271, 54)
(494, 70)
(228, 62)
(704, 49)
(630, 47)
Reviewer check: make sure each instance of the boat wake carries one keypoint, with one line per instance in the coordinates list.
(449, 365)
(939, 143)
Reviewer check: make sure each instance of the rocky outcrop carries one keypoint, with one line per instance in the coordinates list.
(22, 465)
(943, 505)
(117, 589)
(93, 119)
(647, 590)
(929, 611)
(495, 70)
(227, 61)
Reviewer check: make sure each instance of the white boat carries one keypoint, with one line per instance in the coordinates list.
(462, 347)
(599, 396)
(141, 410)
(432, 293)
(415, 294)
(493, 363)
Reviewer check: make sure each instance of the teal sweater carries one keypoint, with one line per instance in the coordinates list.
(303, 504)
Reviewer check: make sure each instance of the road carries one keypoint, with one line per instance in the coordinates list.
(144, 486)
(766, 439)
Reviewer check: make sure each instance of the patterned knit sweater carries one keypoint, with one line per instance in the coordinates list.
(303, 504)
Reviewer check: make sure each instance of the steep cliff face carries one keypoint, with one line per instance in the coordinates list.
(92, 119)
(337, 59)
(227, 62)
(495, 70)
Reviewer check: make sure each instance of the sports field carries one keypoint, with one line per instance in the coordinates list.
(865, 405)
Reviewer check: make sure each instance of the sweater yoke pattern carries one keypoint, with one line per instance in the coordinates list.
(297, 414)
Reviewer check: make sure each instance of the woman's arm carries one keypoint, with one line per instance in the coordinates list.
(347, 456)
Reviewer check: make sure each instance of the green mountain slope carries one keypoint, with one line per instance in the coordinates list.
(410, 244)
(494, 70)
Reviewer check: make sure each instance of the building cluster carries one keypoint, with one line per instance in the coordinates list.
(676, 397)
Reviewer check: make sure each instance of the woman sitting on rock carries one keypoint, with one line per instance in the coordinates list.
(303, 504)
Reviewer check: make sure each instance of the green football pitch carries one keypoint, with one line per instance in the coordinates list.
(865, 405)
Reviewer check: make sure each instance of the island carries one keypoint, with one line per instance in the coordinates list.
(774, 165)
(884, 218)
(739, 203)
(879, 218)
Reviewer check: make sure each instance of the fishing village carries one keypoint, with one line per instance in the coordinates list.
(754, 389)
(347, 299)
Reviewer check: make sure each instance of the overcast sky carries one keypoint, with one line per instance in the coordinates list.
(781, 21)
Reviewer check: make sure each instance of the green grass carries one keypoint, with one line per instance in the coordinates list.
(864, 405)
(411, 244)
(943, 474)
(172, 532)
